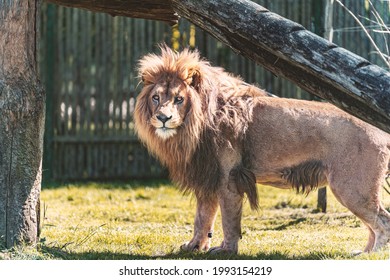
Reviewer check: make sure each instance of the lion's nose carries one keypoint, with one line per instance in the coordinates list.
(163, 118)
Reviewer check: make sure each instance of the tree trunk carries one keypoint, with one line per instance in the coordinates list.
(21, 122)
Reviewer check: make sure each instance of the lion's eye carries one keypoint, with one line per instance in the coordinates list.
(156, 98)
(178, 99)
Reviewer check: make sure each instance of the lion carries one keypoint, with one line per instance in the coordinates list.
(219, 136)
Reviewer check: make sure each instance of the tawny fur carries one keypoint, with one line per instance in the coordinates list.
(218, 136)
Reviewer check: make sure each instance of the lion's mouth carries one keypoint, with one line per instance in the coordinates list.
(165, 132)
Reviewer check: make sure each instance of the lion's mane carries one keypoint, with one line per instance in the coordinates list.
(220, 111)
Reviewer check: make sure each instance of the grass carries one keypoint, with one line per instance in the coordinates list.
(151, 220)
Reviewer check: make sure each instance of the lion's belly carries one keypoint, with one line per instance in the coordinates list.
(291, 146)
(272, 180)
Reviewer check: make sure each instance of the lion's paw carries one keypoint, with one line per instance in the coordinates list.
(223, 250)
(192, 246)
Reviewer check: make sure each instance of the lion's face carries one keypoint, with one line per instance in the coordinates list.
(169, 109)
(169, 103)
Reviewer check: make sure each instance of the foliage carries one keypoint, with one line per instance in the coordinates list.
(151, 220)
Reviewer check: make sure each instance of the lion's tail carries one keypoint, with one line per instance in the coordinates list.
(245, 183)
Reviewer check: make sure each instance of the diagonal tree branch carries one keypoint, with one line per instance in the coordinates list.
(287, 49)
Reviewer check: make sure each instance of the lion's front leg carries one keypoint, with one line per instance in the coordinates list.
(206, 211)
(231, 210)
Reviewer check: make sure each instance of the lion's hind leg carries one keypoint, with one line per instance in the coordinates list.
(370, 242)
(375, 217)
(357, 188)
(382, 229)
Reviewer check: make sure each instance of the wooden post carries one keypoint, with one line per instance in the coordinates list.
(323, 27)
(22, 114)
(328, 34)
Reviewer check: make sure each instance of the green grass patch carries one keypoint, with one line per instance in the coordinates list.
(151, 220)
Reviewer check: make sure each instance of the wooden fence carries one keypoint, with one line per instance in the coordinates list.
(88, 66)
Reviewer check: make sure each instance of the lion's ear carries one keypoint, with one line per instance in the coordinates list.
(146, 79)
(194, 78)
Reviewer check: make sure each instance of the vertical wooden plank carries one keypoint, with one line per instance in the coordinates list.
(112, 89)
(103, 115)
(75, 93)
(59, 123)
(128, 73)
(90, 89)
(107, 65)
(67, 65)
(120, 78)
(123, 99)
(83, 56)
(112, 98)
(96, 93)
(50, 65)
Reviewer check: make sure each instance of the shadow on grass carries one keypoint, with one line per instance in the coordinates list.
(58, 253)
(130, 184)
(289, 224)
